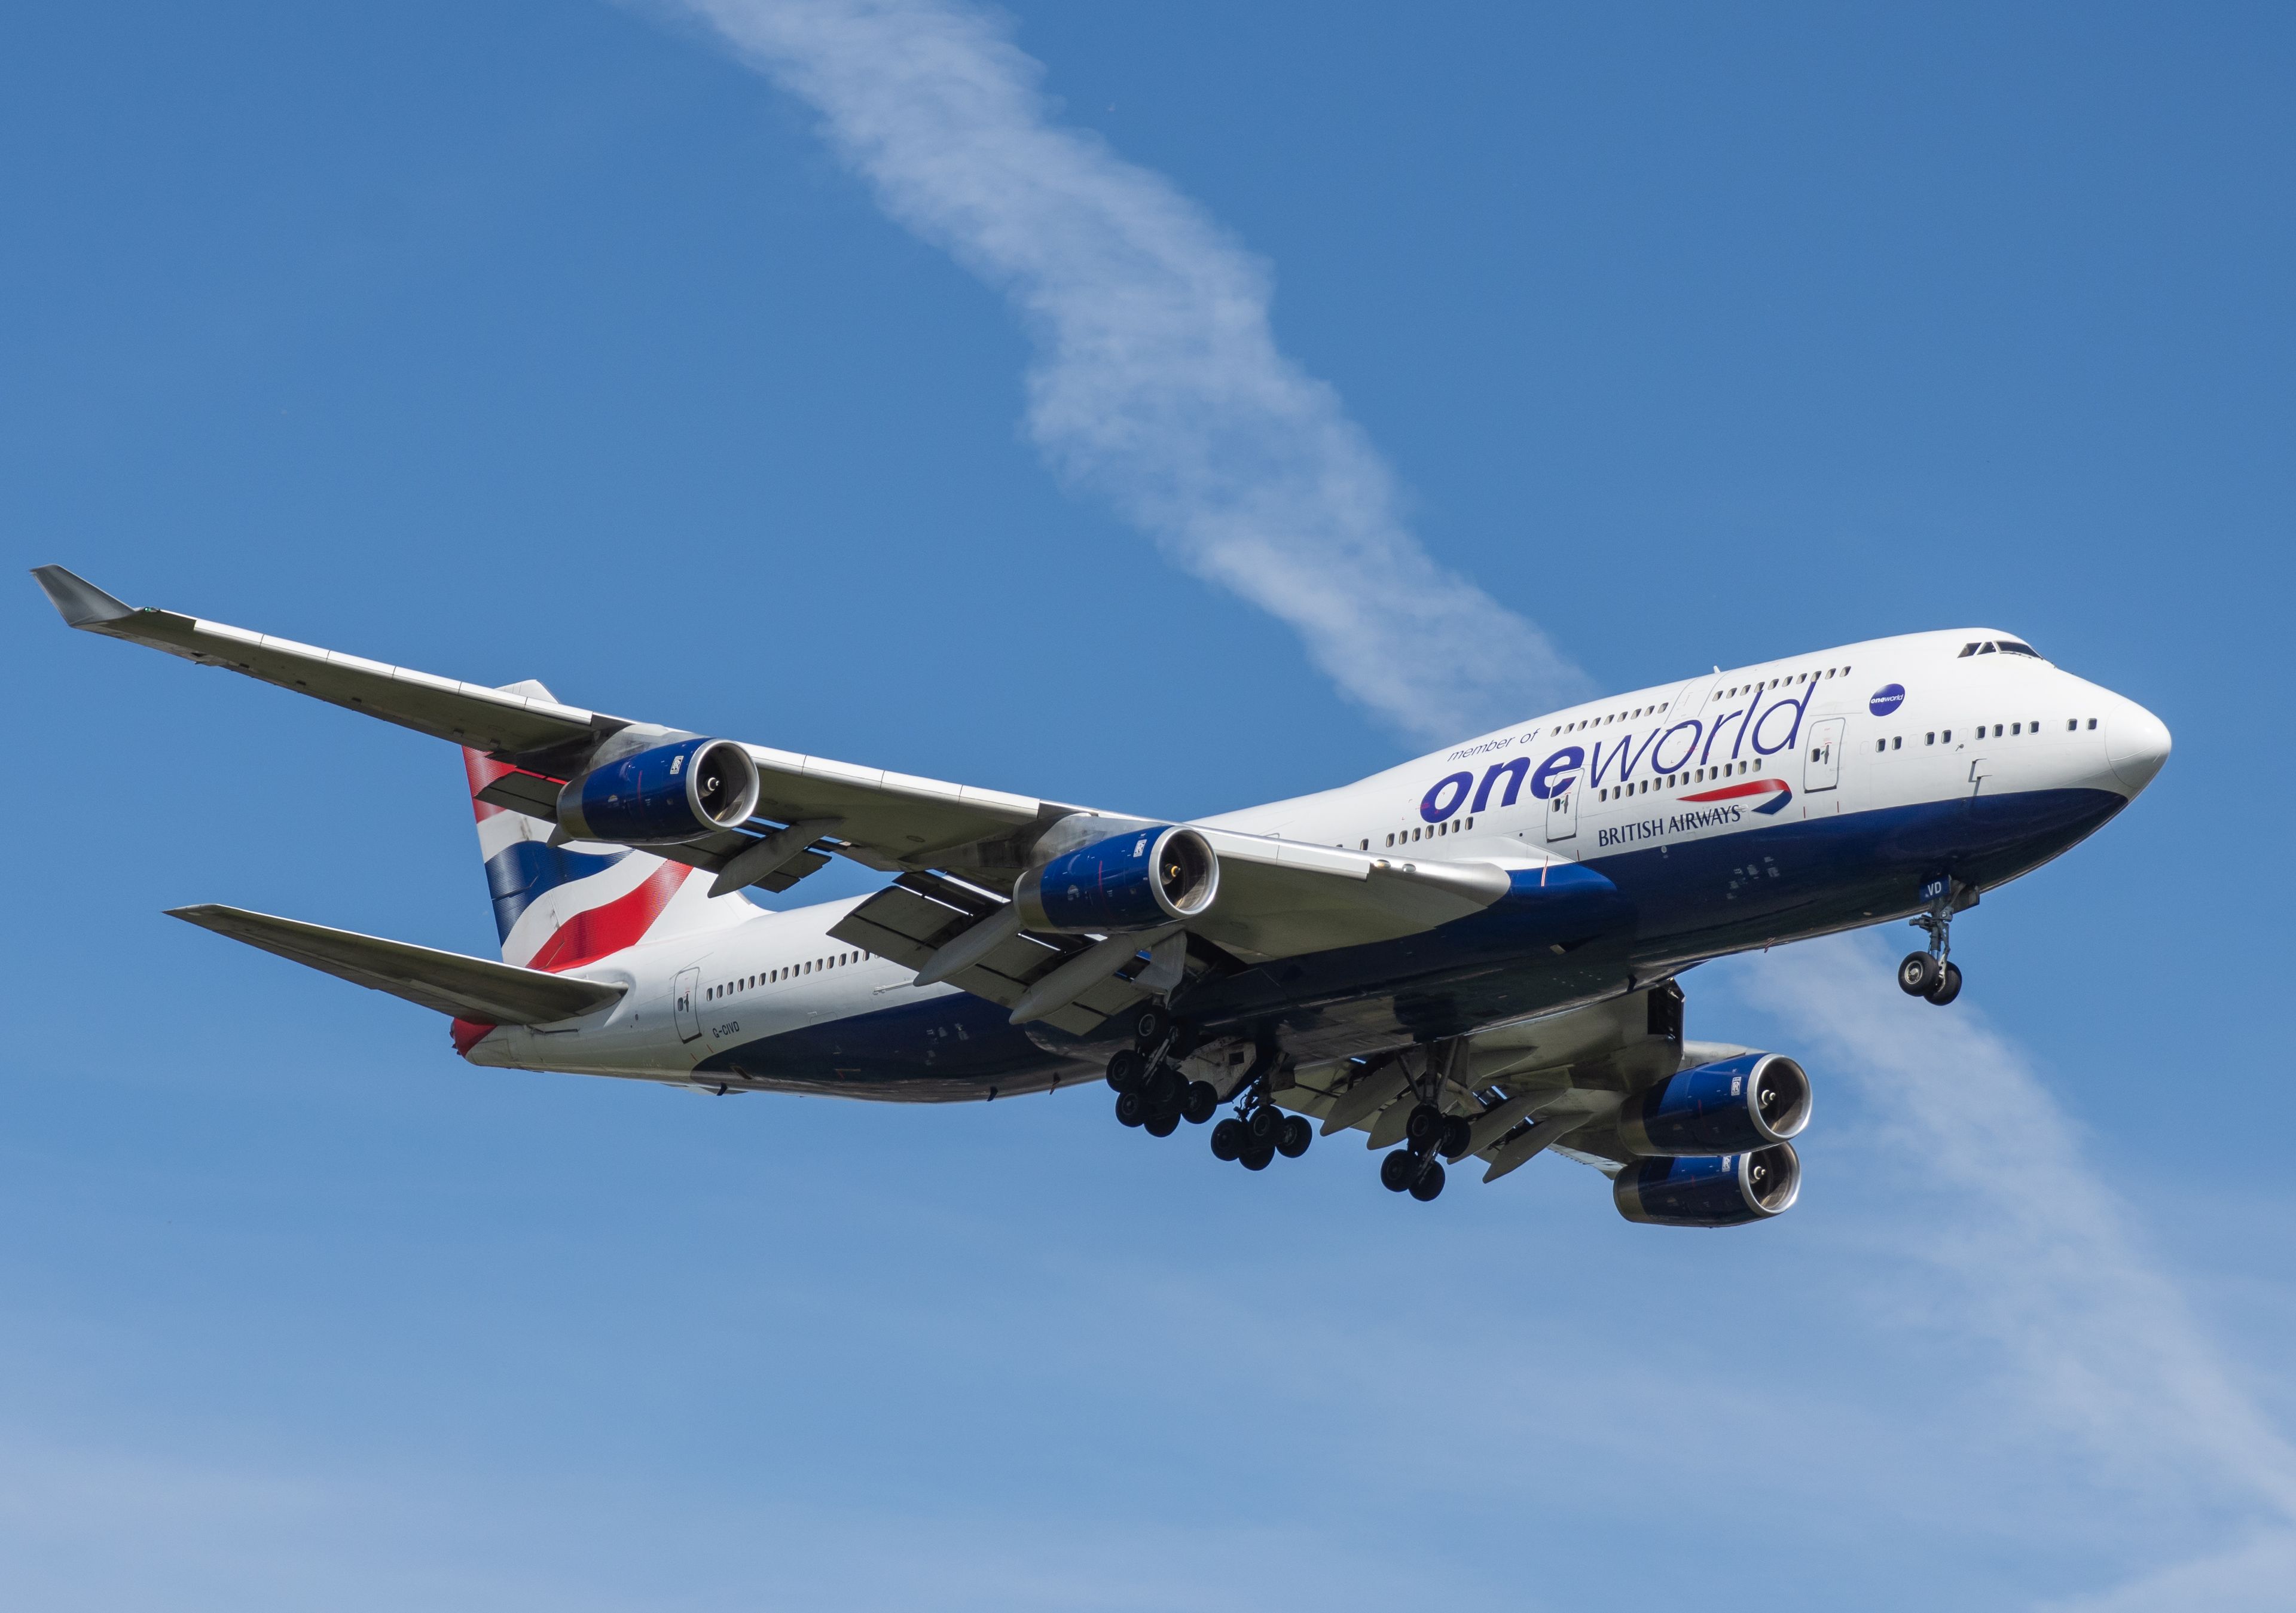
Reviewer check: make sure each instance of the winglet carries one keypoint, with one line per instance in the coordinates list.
(80, 603)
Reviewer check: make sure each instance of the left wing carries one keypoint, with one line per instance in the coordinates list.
(884, 820)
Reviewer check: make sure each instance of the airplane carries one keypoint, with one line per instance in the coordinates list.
(1475, 955)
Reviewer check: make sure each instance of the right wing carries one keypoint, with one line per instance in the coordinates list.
(464, 987)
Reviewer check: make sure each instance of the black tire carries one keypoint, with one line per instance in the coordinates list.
(1125, 1071)
(1293, 1137)
(1399, 1170)
(1264, 1126)
(1459, 1131)
(1131, 1108)
(1947, 988)
(1150, 1025)
(1256, 1158)
(1430, 1183)
(1424, 1129)
(1163, 1088)
(1228, 1139)
(1199, 1102)
(1917, 973)
(1163, 1123)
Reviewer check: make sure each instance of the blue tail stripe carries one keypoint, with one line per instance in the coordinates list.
(527, 869)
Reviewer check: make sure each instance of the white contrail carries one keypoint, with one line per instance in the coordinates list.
(1157, 381)
(2037, 1253)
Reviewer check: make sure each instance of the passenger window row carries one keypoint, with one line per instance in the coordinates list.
(1672, 780)
(787, 972)
(1429, 831)
(1944, 736)
(1788, 680)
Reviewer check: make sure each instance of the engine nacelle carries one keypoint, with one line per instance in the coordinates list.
(1723, 1108)
(663, 795)
(1145, 879)
(1711, 1189)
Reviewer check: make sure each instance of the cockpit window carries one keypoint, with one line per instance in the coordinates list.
(2004, 646)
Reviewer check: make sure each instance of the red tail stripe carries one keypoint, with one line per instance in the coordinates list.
(620, 923)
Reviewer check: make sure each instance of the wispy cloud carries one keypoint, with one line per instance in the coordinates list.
(2033, 1251)
(1157, 381)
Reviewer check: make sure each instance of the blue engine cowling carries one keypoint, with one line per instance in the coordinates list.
(1145, 879)
(663, 795)
(1711, 1189)
(1726, 1107)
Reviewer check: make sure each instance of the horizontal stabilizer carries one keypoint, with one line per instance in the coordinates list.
(466, 987)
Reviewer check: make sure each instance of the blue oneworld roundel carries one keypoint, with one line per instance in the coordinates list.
(1887, 699)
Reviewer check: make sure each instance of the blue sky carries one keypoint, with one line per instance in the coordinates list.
(561, 341)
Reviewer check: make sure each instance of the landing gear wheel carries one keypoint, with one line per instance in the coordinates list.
(1228, 1140)
(1163, 1088)
(1126, 1071)
(1424, 1129)
(1131, 1108)
(1459, 1131)
(1399, 1170)
(1263, 1125)
(1198, 1103)
(1150, 1025)
(1293, 1137)
(1948, 987)
(1163, 1123)
(1257, 1159)
(1430, 1183)
(1918, 974)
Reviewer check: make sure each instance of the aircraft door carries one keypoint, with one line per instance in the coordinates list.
(1562, 813)
(1821, 762)
(688, 1016)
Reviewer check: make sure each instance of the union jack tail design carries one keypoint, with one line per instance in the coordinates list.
(557, 907)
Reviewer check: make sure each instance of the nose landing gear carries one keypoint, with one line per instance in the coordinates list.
(1932, 974)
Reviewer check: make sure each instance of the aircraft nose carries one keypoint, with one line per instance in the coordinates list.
(2136, 743)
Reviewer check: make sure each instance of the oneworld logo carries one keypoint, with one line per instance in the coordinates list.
(1887, 699)
(1609, 757)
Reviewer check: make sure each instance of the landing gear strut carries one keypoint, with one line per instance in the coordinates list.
(1150, 1092)
(1932, 974)
(1258, 1130)
(1414, 1169)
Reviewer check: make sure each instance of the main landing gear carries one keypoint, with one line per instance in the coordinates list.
(1415, 1168)
(1150, 1093)
(1932, 974)
(1258, 1130)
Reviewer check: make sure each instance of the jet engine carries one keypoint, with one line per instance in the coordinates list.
(1711, 1189)
(1143, 879)
(1726, 1107)
(663, 795)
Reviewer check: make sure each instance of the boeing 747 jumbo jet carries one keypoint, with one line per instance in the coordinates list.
(1474, 954)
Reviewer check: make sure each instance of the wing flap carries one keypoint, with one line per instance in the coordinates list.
(449, 982)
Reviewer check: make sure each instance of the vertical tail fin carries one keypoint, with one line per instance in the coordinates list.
(560, 907)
